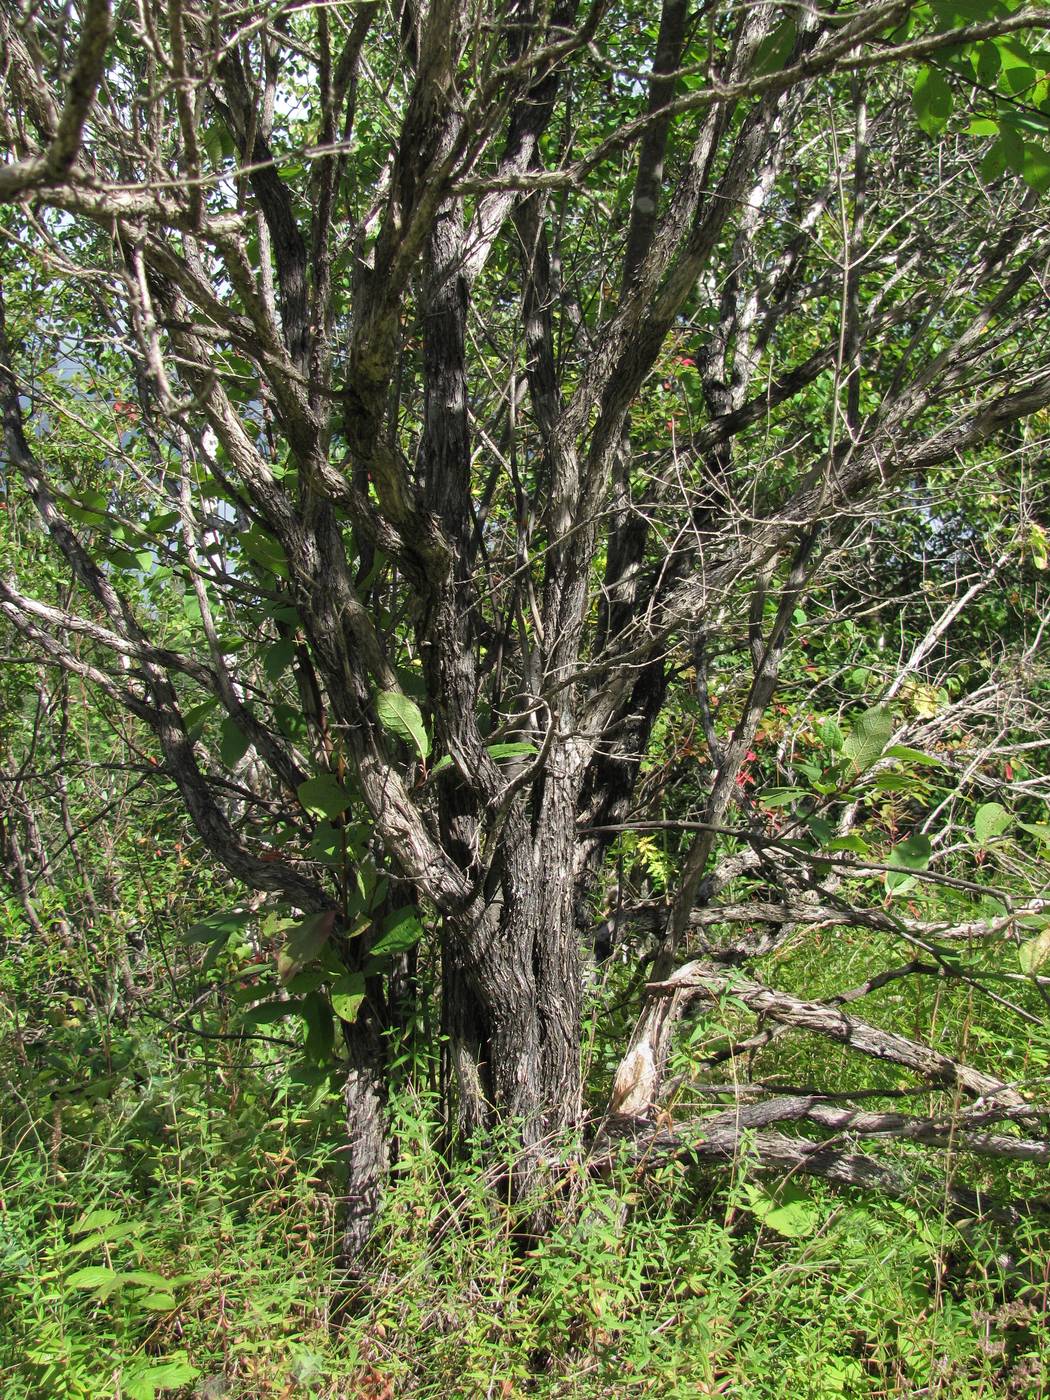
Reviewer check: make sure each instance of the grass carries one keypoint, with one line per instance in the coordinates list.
(676, 1285)
(169, 1224)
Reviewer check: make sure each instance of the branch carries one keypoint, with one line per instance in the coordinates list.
(776, 1152)
(55, 165)
(833, 1023)
(831, 58)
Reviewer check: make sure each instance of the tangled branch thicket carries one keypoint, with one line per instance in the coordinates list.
(558, 492)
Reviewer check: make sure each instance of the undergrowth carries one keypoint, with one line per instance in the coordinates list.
(150, 1262)
(169, 1225)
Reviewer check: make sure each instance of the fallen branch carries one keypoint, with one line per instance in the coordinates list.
(729, 1138)
(829, 1021)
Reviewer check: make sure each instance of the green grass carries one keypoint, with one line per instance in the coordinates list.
(669, 1285)
(169, 1226)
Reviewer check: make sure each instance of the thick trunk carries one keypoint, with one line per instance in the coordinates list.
(467, 1091)
(513, 993)
(512, 998)
(367, 1149)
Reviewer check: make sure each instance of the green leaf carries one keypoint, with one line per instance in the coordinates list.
(868, 737)
(955, 14)
(851, 842)
(1013, 53)
(96, 1277)
(233, 743)
(909, 755)
(195, 715)
(512, 750)
(1040, 830)
(993, 163)
(146, 1279)
(781, 797)
(267, 1012)
(304, 942)
(304, 982)
(401, 717)
(987, 64)
(791, 1212)
(327, 844)
(932, 100)
(291, 723)
(217, 928)
(211, 140)
(320, 1027)
(1037, 547)
(159, 524)
(324, 796)
(1035, 171)
(1005, 154)
(347, 994)
(278, 658)
(991, 821)
(263, 550)
(898, 782)
(247, 995)
(911, 854)
(1035, 953)
(157, 1302)
(110, 1234)
(831, 735)
(94, 1220)
(401, 931)
(144, 1382)
(794, 1221)
(775, 49)
(1018, 79)
(378, 894)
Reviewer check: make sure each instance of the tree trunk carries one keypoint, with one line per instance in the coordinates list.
(513, 988)
(367, 1149)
